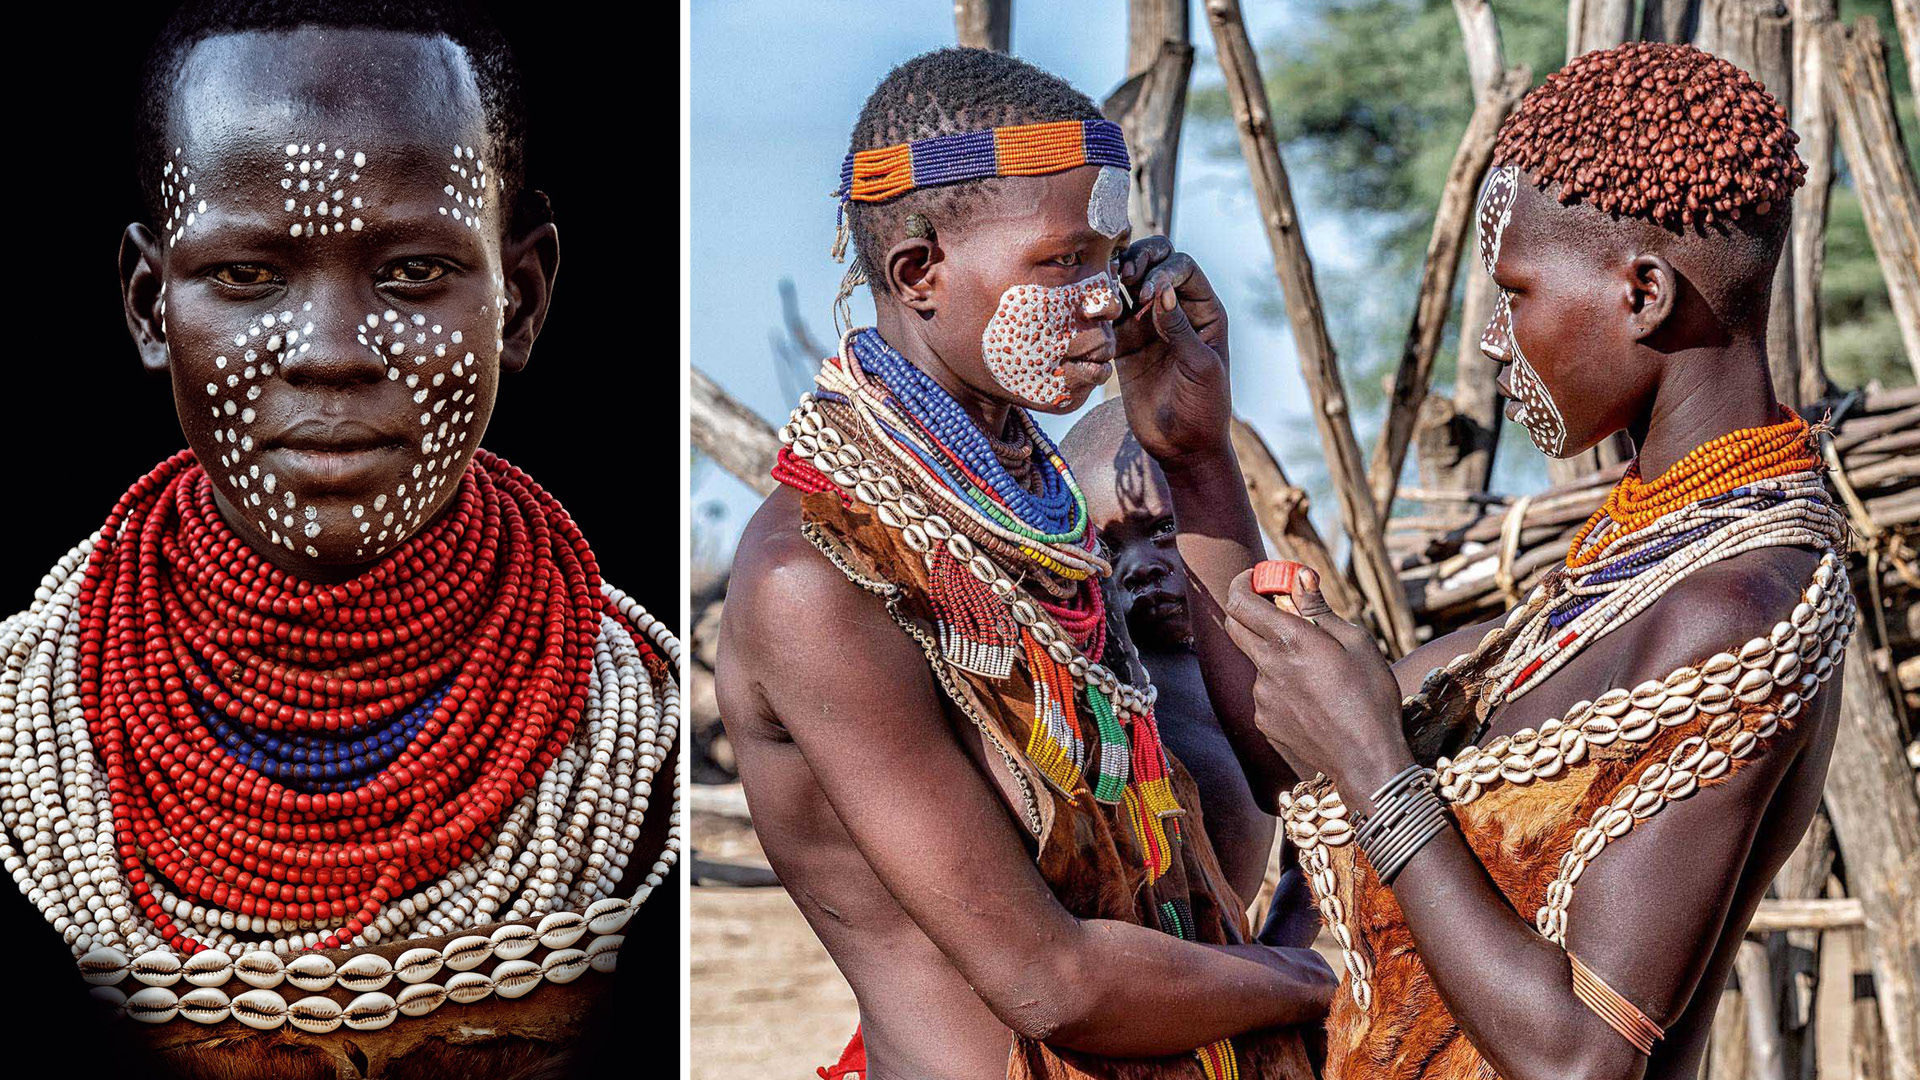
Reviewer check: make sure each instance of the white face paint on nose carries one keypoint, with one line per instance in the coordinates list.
(1025, 343)
(1534, 405)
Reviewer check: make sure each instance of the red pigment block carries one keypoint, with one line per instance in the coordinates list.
(1274, 577)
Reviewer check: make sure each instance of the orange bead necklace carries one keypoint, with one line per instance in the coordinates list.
(1713, 468)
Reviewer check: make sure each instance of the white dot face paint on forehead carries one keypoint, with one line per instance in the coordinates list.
(1496, 212)
(319, 181)
(1107, 203)
(467, 188)
(179, 197)
(1025, 343)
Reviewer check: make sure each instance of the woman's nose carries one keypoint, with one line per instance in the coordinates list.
(1101, 300)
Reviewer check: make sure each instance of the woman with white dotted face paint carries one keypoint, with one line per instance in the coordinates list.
(348, 726)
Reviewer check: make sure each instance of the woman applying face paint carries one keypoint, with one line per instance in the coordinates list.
(334, 756)
(956, 776)
(1543, 859)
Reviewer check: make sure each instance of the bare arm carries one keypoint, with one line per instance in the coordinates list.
(1174, 380)
(1645, 915)
(855, 695)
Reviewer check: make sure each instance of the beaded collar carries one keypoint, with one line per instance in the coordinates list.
(258, 778)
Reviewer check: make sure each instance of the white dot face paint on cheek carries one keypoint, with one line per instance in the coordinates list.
(1107, 203)
(1535, 407)
(1025, 343)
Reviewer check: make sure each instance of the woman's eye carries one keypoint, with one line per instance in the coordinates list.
(1071, 258)
(1165, 529)
(416, 271)
(242, 275)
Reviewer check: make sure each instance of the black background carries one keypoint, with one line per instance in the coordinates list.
(594, 417)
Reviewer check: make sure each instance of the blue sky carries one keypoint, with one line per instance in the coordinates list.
(775, 89)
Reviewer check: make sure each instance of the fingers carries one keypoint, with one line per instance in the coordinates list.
(1309, 602)
(1263, 622)
(1141, 256)
(1177, 272)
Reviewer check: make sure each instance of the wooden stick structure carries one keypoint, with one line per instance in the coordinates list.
(984, 24)
(1318, 365)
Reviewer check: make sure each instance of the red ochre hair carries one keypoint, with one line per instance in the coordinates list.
(1663, 132)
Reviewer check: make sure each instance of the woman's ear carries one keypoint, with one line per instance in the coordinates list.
(143, 295)
(913, 271)
(528, 262)
(1652, 290)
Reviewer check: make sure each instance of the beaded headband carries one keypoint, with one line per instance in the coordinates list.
(888, 172)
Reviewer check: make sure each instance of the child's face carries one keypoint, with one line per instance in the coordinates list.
(1558, 327)
(332, 299)
(1132, 510)
(1024, 296)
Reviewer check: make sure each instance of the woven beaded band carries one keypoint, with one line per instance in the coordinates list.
(889, 172)
(1407, 813)
(1619, 1013)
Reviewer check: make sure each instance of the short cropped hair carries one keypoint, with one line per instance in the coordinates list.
(494, 67)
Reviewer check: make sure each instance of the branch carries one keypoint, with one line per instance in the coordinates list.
(732, 434)
(1317, 362)
(984, 24)
(1452, 226)
(1813, 122)
(1150, 106)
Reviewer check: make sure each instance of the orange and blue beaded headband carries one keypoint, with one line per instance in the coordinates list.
(1019, 150)
(888, 172)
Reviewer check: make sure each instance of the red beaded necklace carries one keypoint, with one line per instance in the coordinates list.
(499, 600)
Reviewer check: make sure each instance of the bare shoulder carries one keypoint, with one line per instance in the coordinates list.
(1721, 607)
(792, 616)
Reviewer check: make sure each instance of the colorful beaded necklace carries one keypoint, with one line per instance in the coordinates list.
(248, 763)
(837, 440)
(1748, 489)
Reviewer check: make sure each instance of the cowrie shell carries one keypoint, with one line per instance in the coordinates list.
(564, 965)
(310, 971)
(513, 978)
(1755, 686)
(316, 1014)
(260, 1008)
(466, 953)
(468, 987)
(261, 969)
(418, 965)
(603, 954)
(159, 967)
(1684, 682)
(109, 997)
(514, 940)
(1714, 699)
(152, 1005)
(1649, 694)
(1717, 668)
(1754, 651)
(366, 972)
(205, 1004)
(608, 915)
(1612, 703)
(208, 967)
(104, 966)
(370, 1011)
(419, 999)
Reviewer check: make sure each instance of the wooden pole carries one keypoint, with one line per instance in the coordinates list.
(1671, 21)
(1813, 121)
(1906, 17)
(1863, 100)
(984, 24)
(1456, 443)
(1876, 823)
(1597, 24)
(1452, 228)
(1757, 36)
(1318, 365)
(731, 434)
(1282, 510)
(1765, 1058)
(1150, 106)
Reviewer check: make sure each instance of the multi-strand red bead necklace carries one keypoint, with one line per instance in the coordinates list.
(494, 608)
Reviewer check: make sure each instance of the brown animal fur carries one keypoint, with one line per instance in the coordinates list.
(1519, 832)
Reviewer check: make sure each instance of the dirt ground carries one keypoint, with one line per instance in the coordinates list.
(767, 1003)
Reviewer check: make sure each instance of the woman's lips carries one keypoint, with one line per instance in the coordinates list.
(332, 468)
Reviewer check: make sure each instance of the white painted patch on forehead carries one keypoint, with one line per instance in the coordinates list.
(1496, 211)
(1107, 204)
